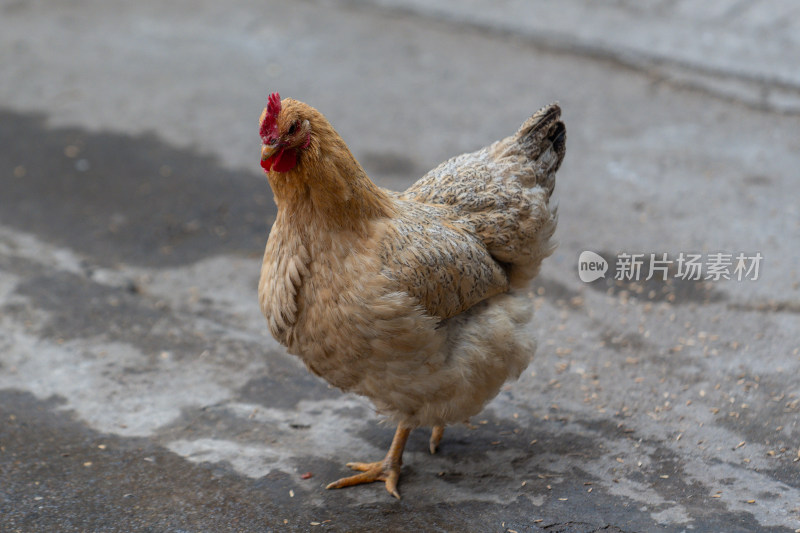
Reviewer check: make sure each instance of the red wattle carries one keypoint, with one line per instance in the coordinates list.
(282, 161)
(285, 160)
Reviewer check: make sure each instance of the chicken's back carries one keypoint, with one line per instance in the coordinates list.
(504, 191)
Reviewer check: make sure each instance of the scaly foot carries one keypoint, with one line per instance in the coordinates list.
(387, 470)
(370, 472)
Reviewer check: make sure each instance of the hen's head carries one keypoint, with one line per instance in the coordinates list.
(285, 133)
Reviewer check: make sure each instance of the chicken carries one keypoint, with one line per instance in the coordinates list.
(415, 300)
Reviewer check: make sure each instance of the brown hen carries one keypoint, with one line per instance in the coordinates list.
(411, 299)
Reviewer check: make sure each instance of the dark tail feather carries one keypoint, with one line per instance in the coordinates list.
(543, 141)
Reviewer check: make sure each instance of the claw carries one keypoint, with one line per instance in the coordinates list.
(387, 470)
(370, 472)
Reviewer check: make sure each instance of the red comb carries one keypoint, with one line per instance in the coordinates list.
(269, 127)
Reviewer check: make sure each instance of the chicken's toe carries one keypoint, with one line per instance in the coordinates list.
(436, 437)
(385, 471)
(362, 467)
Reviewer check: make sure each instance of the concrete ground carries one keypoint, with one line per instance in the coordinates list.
(140, 391)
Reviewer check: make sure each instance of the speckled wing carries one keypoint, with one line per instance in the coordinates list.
(503, 191)
(506, 216)
(439, 260)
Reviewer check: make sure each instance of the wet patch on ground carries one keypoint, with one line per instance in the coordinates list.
(122, 198)
(141, 484)
(284, 387)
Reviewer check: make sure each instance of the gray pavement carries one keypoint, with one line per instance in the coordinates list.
(140, 391)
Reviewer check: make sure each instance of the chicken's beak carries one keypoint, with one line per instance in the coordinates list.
(267, 151)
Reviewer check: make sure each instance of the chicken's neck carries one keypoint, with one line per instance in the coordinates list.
(328, 194)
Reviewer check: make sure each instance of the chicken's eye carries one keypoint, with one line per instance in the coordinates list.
(293, 127)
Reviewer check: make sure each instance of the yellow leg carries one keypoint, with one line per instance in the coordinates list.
(436, 437)
(387, 470)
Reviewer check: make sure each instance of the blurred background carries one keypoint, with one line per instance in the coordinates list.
(139, 389)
